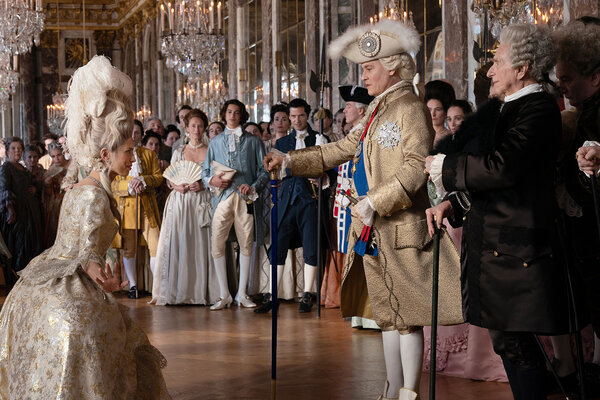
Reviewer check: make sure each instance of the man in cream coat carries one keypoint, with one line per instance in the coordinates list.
(390, 251)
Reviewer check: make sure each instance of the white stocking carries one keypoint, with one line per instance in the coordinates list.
(393, 363)
(152, 264)
(279, 276)
(562, 352)
(221, 270)
(411, 351)
(310, 276)
(596, 359)
(244, 276)
(130, 270)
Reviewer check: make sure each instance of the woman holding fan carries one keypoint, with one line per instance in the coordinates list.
(184, 273)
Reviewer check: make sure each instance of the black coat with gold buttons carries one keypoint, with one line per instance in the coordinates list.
(512, 279)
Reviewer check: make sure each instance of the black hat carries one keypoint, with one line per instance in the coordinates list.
(356, 94)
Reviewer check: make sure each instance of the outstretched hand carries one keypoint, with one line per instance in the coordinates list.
(109, 281)
(273, 160)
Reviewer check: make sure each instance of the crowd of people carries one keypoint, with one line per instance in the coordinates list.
(496, 172)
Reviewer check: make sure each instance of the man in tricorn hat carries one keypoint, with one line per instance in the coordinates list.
(391, 252)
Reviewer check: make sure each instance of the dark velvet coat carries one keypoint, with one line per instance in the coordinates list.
(513, 279)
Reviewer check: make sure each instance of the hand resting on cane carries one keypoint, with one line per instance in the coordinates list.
(588, 159)
(435, 215)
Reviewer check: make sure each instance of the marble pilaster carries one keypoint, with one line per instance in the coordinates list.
(267, 52)
(312, 50)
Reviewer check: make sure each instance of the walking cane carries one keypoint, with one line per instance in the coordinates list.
(135, 255)
(434, 295)
(274, 297)
(434, 312)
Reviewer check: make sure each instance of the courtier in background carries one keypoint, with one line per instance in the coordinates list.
(20, 211)
(578, 73)
(393, 253)
(53, 194)
(512, 283)
(253, 129)
(64, 335)
(457, 112)
(180, 119)
(280, 123)
(297, 206)
(214, 128)
(184, 271)
(357, 100)
(45, 160)
(31, 157)
(242, 152)
(438, 96)
(173, 134)
(153, 142)
(137, 191)
(155, 124)
(339, 121)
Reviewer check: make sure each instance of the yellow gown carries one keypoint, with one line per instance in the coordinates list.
(61, 335)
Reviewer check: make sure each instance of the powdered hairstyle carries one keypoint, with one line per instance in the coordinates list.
(579, 44)
(530, 45)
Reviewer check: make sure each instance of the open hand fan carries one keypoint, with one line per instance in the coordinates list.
(183, 172)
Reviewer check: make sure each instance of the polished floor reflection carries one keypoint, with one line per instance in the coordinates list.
(227, 355)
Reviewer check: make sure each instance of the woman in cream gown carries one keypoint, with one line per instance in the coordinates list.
(62, 334)
(184, 272)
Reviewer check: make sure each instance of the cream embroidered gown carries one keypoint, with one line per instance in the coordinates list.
(61, 336)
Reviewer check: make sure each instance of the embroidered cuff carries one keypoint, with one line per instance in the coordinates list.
(435, 172)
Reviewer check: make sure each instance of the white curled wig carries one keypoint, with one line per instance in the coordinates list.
(530, 45)
(98, 115)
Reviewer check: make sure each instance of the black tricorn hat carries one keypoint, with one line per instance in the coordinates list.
(356, 94)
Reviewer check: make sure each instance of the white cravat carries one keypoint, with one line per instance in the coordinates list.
(234, 136)
(529, 89)
(300, 136)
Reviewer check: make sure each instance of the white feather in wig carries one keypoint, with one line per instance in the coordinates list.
(374, 41)
(86, 99)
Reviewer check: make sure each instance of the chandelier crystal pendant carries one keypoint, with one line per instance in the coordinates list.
(21, 23)
(499, 14)
(56, 113)
(9, 79)
(191, 41)
(208, 96)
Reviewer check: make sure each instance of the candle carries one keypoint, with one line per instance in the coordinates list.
(212, 16)
(162, 18)
(198, 14)
(219, 16)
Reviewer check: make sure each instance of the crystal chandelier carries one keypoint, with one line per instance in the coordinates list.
(143, 114)
(192, 44)
(497, 14)
(9, 79)
(208, 95)
(56, 113)
(20, 22)
(395, 10)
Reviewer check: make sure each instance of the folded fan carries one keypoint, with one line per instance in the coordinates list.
(218, 169)
(183, 172)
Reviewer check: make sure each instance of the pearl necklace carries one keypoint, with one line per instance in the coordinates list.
(195, 146)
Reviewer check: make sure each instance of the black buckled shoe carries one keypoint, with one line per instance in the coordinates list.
(265, 306)
(133, 293)
(306, 303)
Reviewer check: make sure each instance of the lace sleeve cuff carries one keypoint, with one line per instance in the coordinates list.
(435, 172)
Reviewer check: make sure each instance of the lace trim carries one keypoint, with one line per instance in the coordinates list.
(453, 344)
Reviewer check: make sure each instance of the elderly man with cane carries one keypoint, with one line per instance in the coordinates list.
(391, 256)
(513, 279)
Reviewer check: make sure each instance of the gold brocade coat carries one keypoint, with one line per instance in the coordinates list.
(398, 281)
(152, 176)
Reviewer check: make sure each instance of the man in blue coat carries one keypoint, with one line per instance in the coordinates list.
(297, 205)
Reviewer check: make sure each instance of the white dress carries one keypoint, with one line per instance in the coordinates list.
(184, 271)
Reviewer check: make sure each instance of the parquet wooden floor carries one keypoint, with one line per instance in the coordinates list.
(226, 355)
